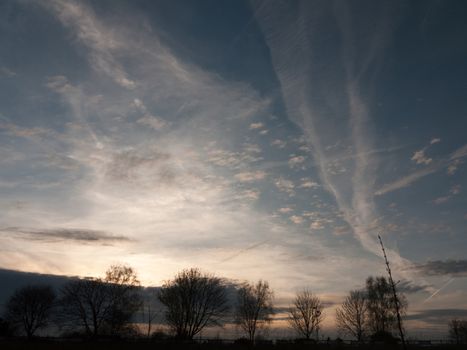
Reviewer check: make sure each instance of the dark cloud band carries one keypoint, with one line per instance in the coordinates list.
(74, 234)
(443, 267)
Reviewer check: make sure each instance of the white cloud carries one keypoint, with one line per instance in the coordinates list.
(167, 186)
(250, 194)
(140, 105)
(290, 40)
(308, 183)
(451, 163)
(435, 140)
(296, 219)
(285, 210)
(278, 143)
(452, 167)
(251, 148)
(250, 176)
(285, 186)
(28, 133)
(316, 225)
(102, 42)
(441, 200)
(296, 162)
(420, 158)
(454, 190)
(459, 153)
(254, 126)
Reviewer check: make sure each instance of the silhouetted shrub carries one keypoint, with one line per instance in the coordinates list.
(383, 337)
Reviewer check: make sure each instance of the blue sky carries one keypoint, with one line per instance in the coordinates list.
(257, 139)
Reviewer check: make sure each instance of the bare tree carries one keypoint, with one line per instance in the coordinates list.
(306, 314)
(124, 297)
(458, 331)
(101, 305)
(148, 312)
(193, 300)
(29, 308)
(382, 313)
(254, 308)
(351, 316)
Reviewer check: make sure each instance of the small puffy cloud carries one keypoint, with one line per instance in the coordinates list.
(254, 126)
(296, 162)
(57, 83)
(307, 183)
(264, 132)
(125, 82)
(435, 140)
(278, 143)
(441, 200)
(452, 167)
(139, 105)
(285, 186)
(250, 194)
(251, 148)
(420, 158)
(285, 210)
(296, 219)
(250, 176)
(455, 190)
(234, 160)
(316, 225)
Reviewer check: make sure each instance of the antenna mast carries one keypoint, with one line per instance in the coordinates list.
(394, 292)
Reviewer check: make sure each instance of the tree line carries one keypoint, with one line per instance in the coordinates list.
(194, 300)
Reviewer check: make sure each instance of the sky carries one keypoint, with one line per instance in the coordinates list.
(252, 139)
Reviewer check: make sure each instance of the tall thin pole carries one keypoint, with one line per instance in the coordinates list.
(394, 292)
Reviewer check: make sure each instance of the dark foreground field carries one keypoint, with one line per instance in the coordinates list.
(19, 344)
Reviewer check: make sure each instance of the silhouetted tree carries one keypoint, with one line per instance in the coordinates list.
(254, 308)
(458, 331)
(381, 306)
(101, 306)
(29, 308)
(148, 313)
(193, 300)
(351, 316)
(124, 297)
(306, 314)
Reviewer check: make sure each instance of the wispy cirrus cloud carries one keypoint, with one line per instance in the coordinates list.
(171, 189)
(293, 48)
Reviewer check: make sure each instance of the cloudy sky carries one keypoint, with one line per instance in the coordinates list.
(262, 139)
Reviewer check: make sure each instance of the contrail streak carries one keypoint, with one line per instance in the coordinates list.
(438, 290)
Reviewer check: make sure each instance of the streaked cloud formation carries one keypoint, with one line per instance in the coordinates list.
(277, 148)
